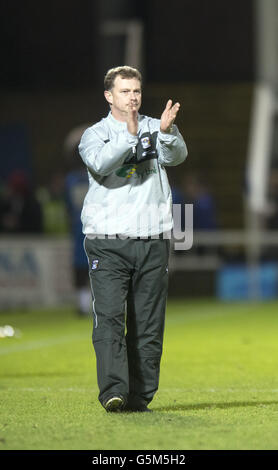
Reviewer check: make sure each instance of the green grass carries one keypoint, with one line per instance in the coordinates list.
(218, 383)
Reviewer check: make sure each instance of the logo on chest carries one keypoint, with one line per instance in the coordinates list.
(146, 143)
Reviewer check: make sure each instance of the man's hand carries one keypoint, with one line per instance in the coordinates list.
(168, 116)
(132, 120)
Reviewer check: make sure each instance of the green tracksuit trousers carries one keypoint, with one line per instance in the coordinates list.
(129, 282)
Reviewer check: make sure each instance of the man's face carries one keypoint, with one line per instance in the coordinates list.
(126, 92)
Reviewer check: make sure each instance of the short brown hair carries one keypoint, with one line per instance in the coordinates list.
(124, 71)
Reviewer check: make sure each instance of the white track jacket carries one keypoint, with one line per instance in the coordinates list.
(129, 194)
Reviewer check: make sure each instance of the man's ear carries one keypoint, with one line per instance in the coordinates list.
(108, 96)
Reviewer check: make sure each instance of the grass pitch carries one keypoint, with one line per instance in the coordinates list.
(218, 383)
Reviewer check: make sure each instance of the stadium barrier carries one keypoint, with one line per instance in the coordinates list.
(38, 271)
(35, 272)
(231, 265)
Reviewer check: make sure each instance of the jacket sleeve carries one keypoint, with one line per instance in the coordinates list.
(171, 148)
(102, 157)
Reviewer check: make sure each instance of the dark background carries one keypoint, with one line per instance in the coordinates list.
(198, 52)
(57, 44)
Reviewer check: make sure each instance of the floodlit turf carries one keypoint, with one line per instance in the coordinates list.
(218, 383)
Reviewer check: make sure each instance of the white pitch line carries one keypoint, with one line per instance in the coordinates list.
(39, 344)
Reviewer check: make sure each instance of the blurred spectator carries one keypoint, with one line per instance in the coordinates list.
(76, 187)
(20, 211)
(52, 199)
(204, 209)
(178, 197)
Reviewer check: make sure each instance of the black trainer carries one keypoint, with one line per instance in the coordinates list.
(114, 404)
